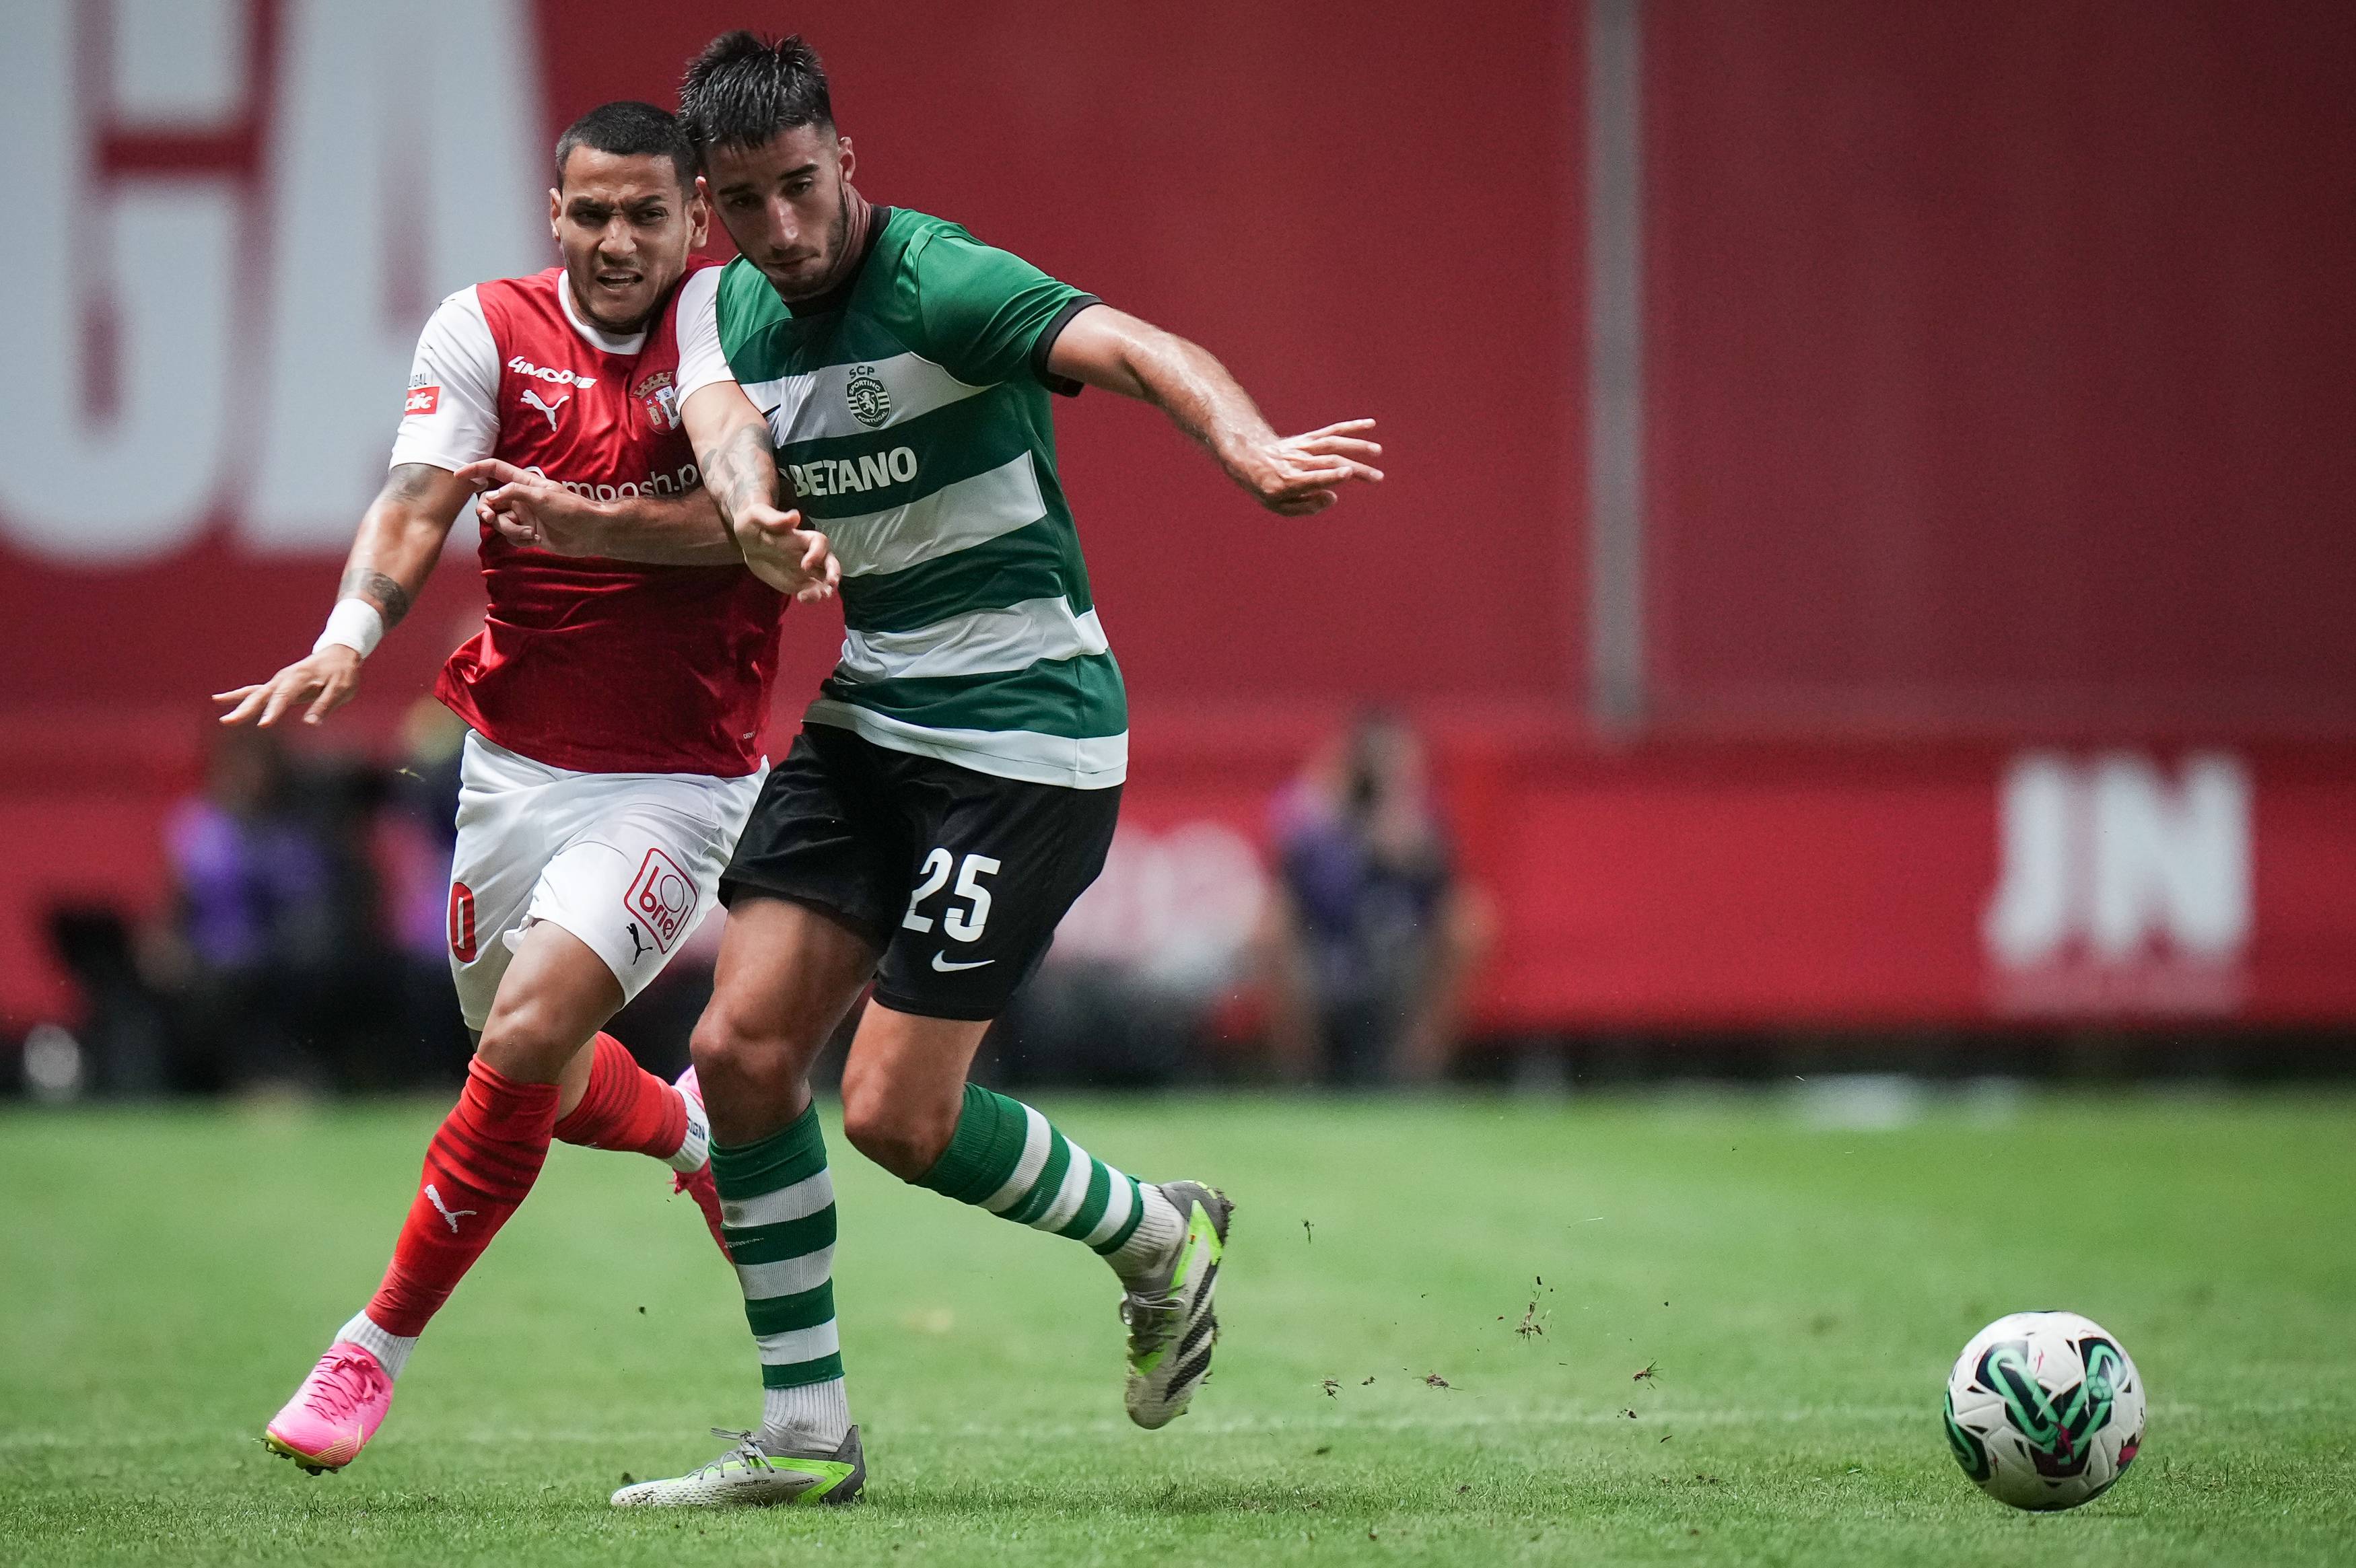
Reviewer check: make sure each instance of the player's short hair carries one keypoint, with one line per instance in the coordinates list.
(743, 89)
(628, 128)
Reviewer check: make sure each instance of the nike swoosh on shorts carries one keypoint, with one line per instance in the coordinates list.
(941, 963)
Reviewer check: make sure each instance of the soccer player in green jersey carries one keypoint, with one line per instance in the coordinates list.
(955, 784)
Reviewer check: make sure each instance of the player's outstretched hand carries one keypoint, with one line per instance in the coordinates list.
(533, 511)
(325, 680)
(786, 556)
(1298, 474)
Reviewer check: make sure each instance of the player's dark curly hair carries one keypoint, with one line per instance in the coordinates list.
(743, 89)
(629, 128)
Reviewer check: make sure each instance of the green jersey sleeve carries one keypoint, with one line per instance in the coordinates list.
(987, 315)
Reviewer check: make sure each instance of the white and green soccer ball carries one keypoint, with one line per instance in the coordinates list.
(2044, 1410)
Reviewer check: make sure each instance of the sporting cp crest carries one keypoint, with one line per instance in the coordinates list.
(870, 404)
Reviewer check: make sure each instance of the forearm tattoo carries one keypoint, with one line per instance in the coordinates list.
(392, 600)
(743, 475)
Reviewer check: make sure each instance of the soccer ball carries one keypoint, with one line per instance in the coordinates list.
(2044, 1410)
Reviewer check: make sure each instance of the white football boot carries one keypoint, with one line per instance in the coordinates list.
(750, 1475)
(1172, 1325)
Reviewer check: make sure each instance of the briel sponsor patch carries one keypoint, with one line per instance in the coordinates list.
(662, 896)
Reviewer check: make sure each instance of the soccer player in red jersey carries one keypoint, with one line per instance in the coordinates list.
(614, 707)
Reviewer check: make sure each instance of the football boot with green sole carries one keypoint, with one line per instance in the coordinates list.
(751, 1476)
(1171, 1324)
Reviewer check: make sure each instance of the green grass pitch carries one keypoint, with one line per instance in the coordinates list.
(166, 1276)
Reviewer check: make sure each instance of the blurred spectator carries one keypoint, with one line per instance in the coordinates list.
(1370, 936)
(414, 840)
(1127, 996)
(125, 1046)
(253, 884)
(273, 952)
(1093, 1024)
(305, 943)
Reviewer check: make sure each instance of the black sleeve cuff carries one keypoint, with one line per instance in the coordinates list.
(1062, 386)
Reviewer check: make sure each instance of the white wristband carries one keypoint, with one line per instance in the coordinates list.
(356, 625)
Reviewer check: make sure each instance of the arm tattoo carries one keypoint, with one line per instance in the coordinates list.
(743, 475)
(412, 482)
(392, 600)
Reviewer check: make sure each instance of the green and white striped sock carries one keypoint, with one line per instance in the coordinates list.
(777, 1208)
(1006, 1158)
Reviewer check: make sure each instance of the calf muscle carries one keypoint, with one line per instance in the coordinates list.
(904, 1086)
(787, 975)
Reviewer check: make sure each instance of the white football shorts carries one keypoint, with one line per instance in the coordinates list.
(627, 862)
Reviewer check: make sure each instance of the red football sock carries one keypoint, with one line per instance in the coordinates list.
(477, 1168)
(626, 1106)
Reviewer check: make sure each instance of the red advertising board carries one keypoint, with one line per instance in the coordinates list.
(173, 497)
(1995, 472)
(1995, 359)
(1669, 887)
(1709, 886)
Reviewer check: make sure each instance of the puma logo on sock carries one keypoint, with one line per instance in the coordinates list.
(443, 1208)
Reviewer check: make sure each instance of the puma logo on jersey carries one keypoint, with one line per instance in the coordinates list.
(840, 475)
(549, 408)
(523, 367)
(443, 1209)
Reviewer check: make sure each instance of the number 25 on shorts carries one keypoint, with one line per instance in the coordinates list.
(962, 924)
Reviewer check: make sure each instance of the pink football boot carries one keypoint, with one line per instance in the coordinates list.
(698, 1183)
(334, 1413)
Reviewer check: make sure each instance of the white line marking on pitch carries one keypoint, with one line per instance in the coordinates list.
(1657, 1416)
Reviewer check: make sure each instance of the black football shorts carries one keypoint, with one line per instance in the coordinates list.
(959, 876)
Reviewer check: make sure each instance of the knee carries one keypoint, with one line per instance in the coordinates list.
(529, 1040)
(906, 1139)
(727, 1047)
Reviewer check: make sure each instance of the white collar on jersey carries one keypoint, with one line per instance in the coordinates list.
(612, 343)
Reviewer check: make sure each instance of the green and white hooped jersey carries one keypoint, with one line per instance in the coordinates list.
(914, 425)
